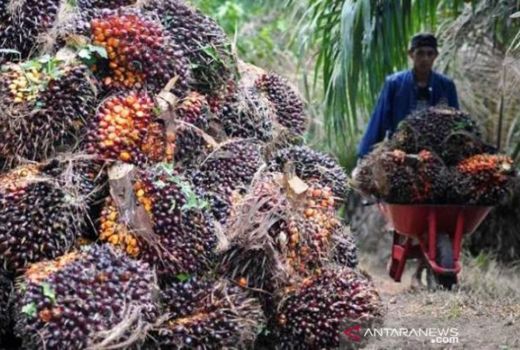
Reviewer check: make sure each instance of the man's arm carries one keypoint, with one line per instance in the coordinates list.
(378, 122)
(453, 100)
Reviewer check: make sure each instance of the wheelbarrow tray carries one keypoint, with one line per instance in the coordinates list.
(413, 220)
(423, 223)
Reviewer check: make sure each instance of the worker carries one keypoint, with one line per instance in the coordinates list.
(408, 91)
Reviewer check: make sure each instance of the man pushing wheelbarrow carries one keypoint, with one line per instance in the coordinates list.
(434, 178)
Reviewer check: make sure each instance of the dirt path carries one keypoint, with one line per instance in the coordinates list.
(482, 322)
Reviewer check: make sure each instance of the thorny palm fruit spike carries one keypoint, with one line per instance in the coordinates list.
(38, 218)
(226, 171)
(125, 129)
(69, 302)
(208, 315)
(484, 179)
(193, 116)
(247, 114)
(23, 23)
(43, 111)
(433, 129)
(184, 237)
(139, 51)
(287, 104)
(310, 164)
(204, 43)
(311, 314)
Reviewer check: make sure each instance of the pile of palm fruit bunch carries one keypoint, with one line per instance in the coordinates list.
(156, 192)
(437, 156)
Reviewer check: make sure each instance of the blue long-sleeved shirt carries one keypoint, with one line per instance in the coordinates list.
(397, 99)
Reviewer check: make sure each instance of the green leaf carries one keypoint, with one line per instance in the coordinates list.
(45, 59)
(48, 291)
(30, 309)
(183, 277)
(85, 54)
(16, 52)
(100, 50)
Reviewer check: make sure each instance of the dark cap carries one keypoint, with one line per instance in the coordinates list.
(423, 39)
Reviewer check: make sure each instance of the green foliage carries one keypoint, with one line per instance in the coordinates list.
(30, 309)
(257, 27)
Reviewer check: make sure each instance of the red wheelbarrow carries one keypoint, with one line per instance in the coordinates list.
(438, 229)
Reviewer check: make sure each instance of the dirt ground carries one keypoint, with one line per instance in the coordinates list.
(485, 318)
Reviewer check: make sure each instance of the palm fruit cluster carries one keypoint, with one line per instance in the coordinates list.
(227, 173)
(69, 302)
(207, 314)
(140, 53)
(49, 102)
(278, 237)
(182, 237)
(331, 296)
(247, 114)
(483, 179)
(440, 130)
(23, 24)
(166, 205)
(312, 165)
(6, 286)
(206, 46)
(287, 104)
(191, 139)
(39, 218)
(436, 156)
(398, 177)
(126, 128)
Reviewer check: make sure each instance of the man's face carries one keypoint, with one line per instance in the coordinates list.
(423, 58)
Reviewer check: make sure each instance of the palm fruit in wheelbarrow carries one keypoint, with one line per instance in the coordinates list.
(449, 133)
(207, 314)
(483, 179)
(45, 105)
(312, 313)
(398, 177)
(95, 297)
(170, 227)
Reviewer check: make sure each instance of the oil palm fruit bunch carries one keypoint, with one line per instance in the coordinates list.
(310, 314)
(22, 23)
(483, 179)
(275, 237)
(104, 4)
(246, 113)
(183, 237)
(126, 128)
(433, 129)
(398, 177)
(48, 101)
(192, 141)
(6, 286)
(227, 173)
(140, 52)
(206, 314)
(309, 165)
(93, 297)
(204, 43)
(287, 104)
(39, 218)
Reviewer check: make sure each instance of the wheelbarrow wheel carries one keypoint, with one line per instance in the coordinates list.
(444, 258)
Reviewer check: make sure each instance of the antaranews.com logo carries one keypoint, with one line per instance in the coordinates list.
(356, 334)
